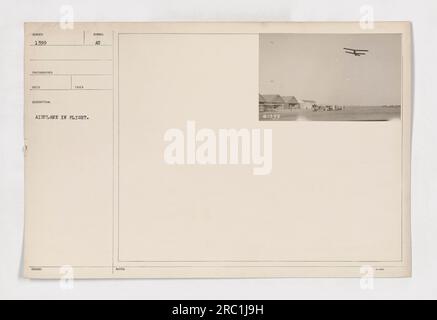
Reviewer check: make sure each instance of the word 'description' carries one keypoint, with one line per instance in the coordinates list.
(220, 147)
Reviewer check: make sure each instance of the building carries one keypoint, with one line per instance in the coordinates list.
(291, 102)
(307, 104)
(261, 102)
(273, 101)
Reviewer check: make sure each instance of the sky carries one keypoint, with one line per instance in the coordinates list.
(315, 67)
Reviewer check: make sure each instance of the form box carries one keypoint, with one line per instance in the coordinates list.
(70, 67)
(92, 82)
(71, 82)
(89, 52)
(50, 82)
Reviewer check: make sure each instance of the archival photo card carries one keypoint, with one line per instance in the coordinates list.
(145, 156)
(330, 77)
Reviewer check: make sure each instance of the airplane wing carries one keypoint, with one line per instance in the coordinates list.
(356, 50)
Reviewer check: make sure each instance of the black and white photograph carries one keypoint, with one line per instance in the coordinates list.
(330, 77)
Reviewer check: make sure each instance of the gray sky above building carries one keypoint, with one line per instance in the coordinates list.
(315, 66)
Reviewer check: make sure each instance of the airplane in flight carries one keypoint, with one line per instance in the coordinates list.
(356, 52)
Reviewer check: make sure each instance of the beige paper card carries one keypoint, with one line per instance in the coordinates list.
(217, 150)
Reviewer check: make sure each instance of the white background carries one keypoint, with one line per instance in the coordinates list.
(423, 14)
